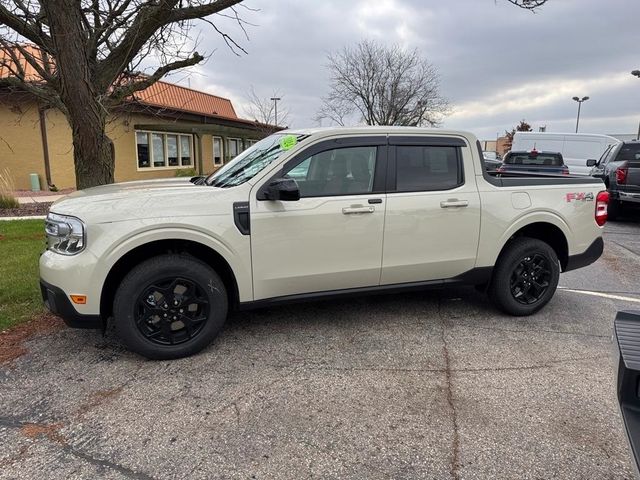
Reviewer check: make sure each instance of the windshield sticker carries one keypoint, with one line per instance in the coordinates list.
(288, 142)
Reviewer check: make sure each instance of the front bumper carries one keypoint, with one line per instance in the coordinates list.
(58, 303)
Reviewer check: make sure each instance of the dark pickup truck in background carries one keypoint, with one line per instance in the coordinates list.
(534, 162)
(619, 167)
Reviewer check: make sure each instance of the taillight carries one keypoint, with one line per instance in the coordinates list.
(621, 175)
(500, 169)
(602, 201)
(565, 170)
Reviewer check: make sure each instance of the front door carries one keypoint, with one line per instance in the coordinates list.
(330, 239)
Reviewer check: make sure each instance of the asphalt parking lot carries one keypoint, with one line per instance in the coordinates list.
(427, 385)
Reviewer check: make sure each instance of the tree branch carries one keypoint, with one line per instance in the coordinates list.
(130, 88)
(24, 28)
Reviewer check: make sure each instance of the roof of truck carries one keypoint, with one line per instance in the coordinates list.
(393, 130)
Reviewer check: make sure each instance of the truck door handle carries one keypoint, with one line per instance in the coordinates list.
(454, 203)
(357, 209)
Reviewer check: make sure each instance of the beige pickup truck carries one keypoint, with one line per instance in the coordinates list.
(309, 214)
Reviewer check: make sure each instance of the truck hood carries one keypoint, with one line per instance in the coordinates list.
(144, 199)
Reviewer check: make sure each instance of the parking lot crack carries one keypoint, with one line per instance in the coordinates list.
(51, 432)
(102, 464)
(455, 447)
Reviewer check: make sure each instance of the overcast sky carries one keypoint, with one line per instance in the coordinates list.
(498, 63)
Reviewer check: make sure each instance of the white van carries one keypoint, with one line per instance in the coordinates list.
(576, 148)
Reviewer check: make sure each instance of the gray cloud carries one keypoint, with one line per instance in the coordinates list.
(498, 63)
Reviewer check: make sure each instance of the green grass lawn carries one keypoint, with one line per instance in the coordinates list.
(21, 243)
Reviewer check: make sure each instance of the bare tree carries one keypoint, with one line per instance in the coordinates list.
(528, 4)
(85, 57)
(263, 111)
(384, 86)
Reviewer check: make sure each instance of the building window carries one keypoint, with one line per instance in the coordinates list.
(218, 154)
(251, 143)
(235, 147)
(172, 150)
(185, 150)
(157, 140)
(164, 150)
(142, 142)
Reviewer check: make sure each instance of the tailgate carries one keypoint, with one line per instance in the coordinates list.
(633, 176)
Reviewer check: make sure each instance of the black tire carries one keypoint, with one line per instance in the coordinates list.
(614, 209)
(170, 306)
(525, 277)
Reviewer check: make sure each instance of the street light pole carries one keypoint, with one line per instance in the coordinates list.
(636, 73)
(579, 100)
(275, 101)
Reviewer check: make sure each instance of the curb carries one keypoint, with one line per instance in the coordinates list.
(33, 217)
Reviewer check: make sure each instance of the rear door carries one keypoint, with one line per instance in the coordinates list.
(330, 239)
(433, 210)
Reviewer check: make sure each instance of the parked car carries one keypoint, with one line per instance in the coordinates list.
(578, 150)
(168, 263)
(492, 160)
(533, 161)
(619, 168)
(626, 341)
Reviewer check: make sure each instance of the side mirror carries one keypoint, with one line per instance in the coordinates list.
(198, 179)
(591, 162)
(285, 189)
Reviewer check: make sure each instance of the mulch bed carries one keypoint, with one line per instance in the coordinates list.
(26, 210)
(12, 340)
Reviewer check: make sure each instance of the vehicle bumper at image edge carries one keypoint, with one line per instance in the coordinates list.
(58, 303)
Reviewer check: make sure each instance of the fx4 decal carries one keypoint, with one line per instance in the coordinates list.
(580, 197)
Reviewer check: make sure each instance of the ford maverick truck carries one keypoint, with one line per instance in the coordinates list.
(309, 214)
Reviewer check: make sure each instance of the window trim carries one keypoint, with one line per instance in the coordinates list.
(164, 134)
(213, 150)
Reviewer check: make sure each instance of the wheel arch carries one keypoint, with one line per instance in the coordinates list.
(547, 232)
(154, 248)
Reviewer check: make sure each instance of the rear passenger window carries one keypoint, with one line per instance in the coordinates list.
(424, 168)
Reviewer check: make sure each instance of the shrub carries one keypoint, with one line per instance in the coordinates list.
(186, 172)
(7, 186)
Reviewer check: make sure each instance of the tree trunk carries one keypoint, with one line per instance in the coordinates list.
(92, 149)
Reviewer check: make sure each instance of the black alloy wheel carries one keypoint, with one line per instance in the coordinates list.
(170, 306)
(530, 279)
(172, 311)
(525, 277)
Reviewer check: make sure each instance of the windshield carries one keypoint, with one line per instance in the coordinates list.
(250, 162)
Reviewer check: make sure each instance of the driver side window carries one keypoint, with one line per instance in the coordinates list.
(341, 171)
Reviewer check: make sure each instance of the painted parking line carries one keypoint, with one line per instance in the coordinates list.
(602, 295)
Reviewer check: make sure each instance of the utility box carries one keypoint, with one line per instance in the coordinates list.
(35, 182)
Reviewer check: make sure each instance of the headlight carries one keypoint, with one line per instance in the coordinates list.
(65, 234)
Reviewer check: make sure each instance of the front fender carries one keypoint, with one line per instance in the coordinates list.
(233, 247)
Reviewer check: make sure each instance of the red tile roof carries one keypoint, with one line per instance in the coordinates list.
(8, 66)
(176, 97)
(160, 95)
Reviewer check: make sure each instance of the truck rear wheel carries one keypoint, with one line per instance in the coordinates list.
(525, 277)
(170, 306)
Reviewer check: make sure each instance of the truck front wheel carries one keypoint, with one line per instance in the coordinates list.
(525, 277)
(170, 306)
